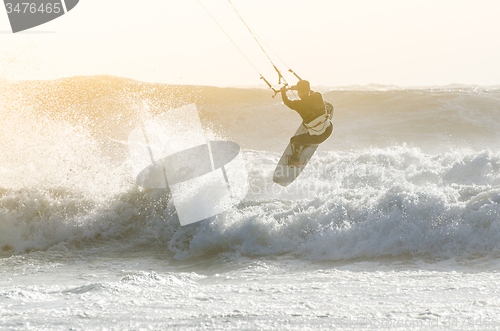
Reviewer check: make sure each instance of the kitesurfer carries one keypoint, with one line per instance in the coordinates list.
(315, 119)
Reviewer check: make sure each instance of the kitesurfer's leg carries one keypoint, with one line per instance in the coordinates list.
(316, 140)
(299, 142)
(296, 142)
(308, 139)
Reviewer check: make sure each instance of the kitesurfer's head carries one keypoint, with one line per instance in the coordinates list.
(302, 87)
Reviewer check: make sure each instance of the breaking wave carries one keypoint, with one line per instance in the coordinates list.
(407, 173)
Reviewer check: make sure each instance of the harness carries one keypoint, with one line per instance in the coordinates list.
(318, 125)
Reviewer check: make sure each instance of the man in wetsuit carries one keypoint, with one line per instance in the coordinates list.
(315, 119)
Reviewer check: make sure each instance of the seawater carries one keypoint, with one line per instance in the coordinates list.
(394, 224)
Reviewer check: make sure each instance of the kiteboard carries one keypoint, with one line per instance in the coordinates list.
(285, 173)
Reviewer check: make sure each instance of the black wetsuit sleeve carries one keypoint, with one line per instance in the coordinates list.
(302, 106)
(308, 108)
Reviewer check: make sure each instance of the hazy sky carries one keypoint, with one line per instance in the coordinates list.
(329, 42)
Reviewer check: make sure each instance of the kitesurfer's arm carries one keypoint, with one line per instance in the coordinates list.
(286, 101)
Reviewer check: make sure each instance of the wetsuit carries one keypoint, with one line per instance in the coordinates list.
(309, 108)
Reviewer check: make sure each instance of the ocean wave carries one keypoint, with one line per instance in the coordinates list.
(406, 173)
(108, 108)
(360, 205)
